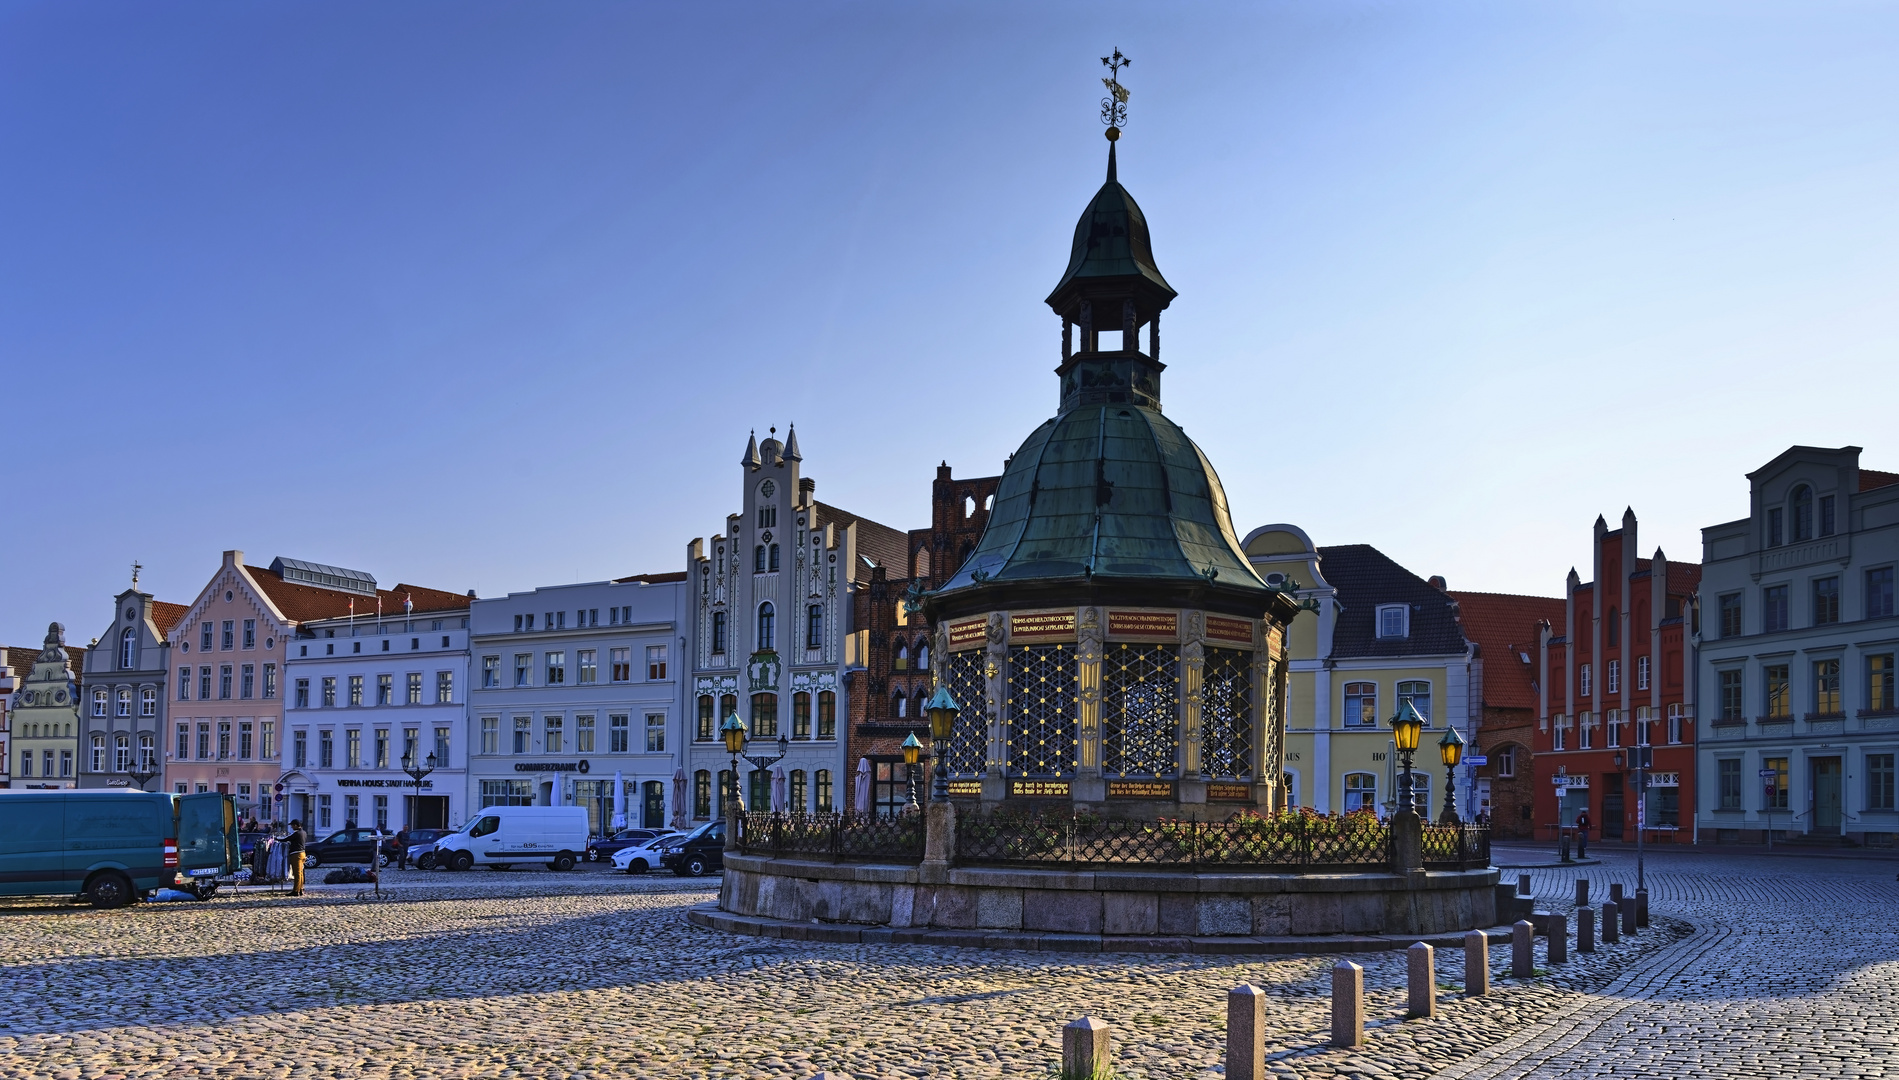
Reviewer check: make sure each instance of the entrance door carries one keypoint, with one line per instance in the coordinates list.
(427, 811)
(1612, 806)
(653, 813)
(1826, 796)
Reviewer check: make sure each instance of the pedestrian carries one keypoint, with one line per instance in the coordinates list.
(402, 848)
(1582, 834)
(293, 850)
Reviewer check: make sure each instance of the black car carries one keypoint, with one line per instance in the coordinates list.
(603, 847)
(343, 846)
(698, 853)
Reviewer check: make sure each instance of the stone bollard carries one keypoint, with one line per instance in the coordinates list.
(1582, 892)
(1085, 1049)
(1523, 885)
(1559, 938)
(1348, 1004)
(1585, 929)
(1246, 1033)
(1628, 917)
(1641, 908)
(1615, 893)
(1611, 923)
(1476, 964)
(1421, 979)
(1522, 949)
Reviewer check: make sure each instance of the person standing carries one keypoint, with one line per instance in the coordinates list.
(402, 848)
(1582, 834)
(293, 851)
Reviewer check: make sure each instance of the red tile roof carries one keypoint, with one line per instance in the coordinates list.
(167, 616)
(303, 603)
(881, 544)
(22, 659)
(1873, 478)
(1504, 627)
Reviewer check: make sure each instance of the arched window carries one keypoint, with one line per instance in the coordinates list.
(703, 732)
(801, 715)
(774, 558)
(823, 785)
(899, 705)
(98, 753)
(1361, 791)
(796, 803)
(827, 715)
(99, 702)
(758, 560)
(900, 655)
(1802, 513)
(125, 701)
(1615, 628)
(767, 627)
(128, 649)
(122, 753)
(814, 626)
(702, 794)
(923, 656)
(764, 716)
(922, 699)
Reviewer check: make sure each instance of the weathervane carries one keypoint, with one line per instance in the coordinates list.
(1114, 107)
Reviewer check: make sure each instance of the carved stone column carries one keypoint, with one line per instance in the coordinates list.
(1193, 662)
(995, 680)
(1089, 785)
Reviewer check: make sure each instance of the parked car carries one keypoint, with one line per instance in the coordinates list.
(113, 847)
(343, 846)
(422, 847)
(604, 847)
(698, 853)
(500, 836)
(247, 843)
(641, 857)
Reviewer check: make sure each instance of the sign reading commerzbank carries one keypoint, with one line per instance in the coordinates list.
(580, 766)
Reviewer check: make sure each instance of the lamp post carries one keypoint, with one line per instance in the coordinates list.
(1450, 750)
(142, 774)
(912, 749)
(733, 732)
(942, 708)
(761, 762)
(1406, 726)
(416, 774)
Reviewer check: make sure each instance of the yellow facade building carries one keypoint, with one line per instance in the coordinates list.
(1379, 635)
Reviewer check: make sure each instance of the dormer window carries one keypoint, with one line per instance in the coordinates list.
(1394, 621)
(1802, 513)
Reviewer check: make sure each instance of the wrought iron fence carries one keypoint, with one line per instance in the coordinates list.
(846, 836)
(1456, 846)
(1287, 842)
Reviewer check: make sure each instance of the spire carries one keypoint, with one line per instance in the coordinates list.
(791, 444)
(750, 460)
(1112, 178)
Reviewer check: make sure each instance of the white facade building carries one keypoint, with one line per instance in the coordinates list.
(574, 685)
(368, 696)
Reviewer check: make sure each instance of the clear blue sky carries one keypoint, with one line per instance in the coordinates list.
(487, 296)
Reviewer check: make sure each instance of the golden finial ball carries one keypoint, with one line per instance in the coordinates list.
(1113, 134)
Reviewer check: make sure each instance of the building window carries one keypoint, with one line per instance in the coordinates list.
(1394, 621)
(1826, 601)
(617, 734)
(301, 692)
(718, 632)
(702, 731)
(1775, 796)
(1879, 782)
(385, 689)
(1674, 724)
(128, 649)
(1775, 517)
(1507, 762)
(827, 716)
(414, 685)
(1774, 609)
(899, 705)
(1361, 704)
(725, 789)
(147, 753)
(247, 681)
(490, 672)
(184, 743)
(1641, 673)
(1728, 771)
(98, 754)
(353, 748)
(900, 659)
(324, 807)
(1731, 697)
(250, 633)
(382, 748)
(768, 517)
(444, 688)
(1584, 684)
(1361, 791)
(184, 684)
(1586, 732)
(796, 800)
(204, 636)
(758, 559)
(1826, 687)
(801, 715)
(270, 681)
(814, 626)
(523, 668)
(1879, 593)
(764, 716)
(99, 698)
(267, 739)
(774, 559)
(655, 733)
(491, 734)
(1615, 676)
(224, 682)
(507, 792)
(655, 662)
(1419, 695)
(1879, 683)
(583, 734)
(588, 661)
(767, 627)
(300, 749)
(148, 702)
(1730, 607)
(1779, 698)
(822, 782)
(551, 734)
(244, 740)
(1827, 522)
(326, 749)
(702, 794)
(442, 746)
(229, 638)
(1802, 513)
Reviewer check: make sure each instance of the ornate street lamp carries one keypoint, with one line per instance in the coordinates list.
(912, 749)
(416, 774)
(142, 774)
(733, 732)
(1406, 726)
(942, 708)
(1450, 749)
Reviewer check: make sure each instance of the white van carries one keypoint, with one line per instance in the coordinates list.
(500, 836)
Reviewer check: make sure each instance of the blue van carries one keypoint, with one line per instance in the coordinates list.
(112, 846)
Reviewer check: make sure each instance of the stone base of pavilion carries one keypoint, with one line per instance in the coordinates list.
(1144, 910)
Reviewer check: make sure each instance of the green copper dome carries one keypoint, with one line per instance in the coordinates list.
(1112, 245)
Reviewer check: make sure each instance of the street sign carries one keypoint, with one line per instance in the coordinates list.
(1477, 759)
(1770, 774)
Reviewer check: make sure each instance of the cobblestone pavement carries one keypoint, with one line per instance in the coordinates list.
(592, 974)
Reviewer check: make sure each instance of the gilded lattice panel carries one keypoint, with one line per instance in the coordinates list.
(969, 740)
(1226, 715)
(1140, 710)
(1042, 681)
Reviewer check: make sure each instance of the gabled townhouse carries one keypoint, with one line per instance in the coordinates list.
(123, 701)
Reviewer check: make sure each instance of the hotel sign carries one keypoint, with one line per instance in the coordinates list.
(1163, 624)
(966, 634)
(1038, 789)
(347, 782)
(1229, 629)
(1042, 626)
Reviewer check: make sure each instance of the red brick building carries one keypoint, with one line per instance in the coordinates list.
(886, 696)
(1508, 631)
(1618, 674)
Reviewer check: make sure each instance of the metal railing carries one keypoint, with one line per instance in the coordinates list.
(834, 836)
(1456, 847)
(1296, 842)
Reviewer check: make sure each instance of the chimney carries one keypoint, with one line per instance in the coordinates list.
(1437, 582)
(807, 490)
